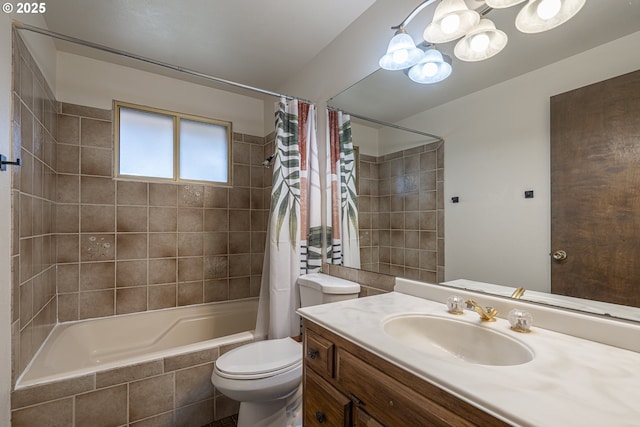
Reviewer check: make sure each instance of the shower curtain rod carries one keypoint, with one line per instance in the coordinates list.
(387, 124)
(22, 26)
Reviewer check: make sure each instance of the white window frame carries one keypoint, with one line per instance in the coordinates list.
(117, 105)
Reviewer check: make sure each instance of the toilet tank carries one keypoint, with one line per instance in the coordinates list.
(319, 288)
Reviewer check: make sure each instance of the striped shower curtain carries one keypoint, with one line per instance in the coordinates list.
(293, 235)
(343, 243)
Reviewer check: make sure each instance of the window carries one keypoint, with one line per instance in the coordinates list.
(163, 145)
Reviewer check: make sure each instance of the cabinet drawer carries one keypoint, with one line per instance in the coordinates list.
(323, 405)
(318, 353)
(387, 400)
(364, 420)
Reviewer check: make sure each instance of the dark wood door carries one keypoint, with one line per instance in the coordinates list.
(595, 191)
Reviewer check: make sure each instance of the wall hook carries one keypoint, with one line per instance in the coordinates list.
(4, 162)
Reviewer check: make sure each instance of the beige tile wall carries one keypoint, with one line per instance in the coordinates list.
(85, 245)
(401, 213)
(127, 246)
(33, 208)
(176, 244)
(371, 283)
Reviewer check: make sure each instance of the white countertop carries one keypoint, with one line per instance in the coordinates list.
(570, 382)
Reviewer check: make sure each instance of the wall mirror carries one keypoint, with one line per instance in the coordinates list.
(494, 117)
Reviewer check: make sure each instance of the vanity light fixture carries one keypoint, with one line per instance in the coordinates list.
(432, 68)
(481, 43)
(481, 40)
(451, 20)
(501, 4)
(402, 52)
(542, 15)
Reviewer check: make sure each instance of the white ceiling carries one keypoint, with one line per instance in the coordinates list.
(265, 43)
(257, 43)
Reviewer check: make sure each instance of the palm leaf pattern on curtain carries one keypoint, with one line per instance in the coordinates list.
(342, 216)
(348, 193)
(285, 195)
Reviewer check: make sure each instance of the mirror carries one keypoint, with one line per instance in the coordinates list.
(494, 118)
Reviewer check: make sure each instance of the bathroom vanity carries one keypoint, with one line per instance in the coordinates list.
(361, 370)
(346, 385)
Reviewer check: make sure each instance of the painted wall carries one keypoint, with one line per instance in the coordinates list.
(366, 138)
(76, 84)
(348, 59)
(5, 219)
(496, 147)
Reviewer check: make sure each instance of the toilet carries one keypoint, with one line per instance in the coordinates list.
(266, 376)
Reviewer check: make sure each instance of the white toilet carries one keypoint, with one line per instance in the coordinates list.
(266, 376)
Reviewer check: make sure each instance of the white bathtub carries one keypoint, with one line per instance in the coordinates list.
(81, 347)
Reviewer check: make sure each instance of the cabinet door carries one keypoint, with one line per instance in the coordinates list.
(364, 420)
(323, 405)
(388, 400)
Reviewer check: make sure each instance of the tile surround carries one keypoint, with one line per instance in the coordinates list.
(85, 245)
(169, 238)
(33, 192)
(371, 283)
(401, 213)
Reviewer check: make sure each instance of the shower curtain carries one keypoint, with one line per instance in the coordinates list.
(343, 243)
(294, 230)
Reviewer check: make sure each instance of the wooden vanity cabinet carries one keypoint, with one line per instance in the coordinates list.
(365, 420)
(323, 404)
(346, 385)
(319, 353)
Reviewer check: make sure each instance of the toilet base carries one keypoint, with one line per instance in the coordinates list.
(285, 412)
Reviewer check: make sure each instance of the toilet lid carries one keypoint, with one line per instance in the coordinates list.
(260, 359)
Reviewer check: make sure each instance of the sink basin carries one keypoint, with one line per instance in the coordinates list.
(474, 343)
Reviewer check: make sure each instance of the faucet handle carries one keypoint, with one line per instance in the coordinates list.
(455, 304)
(520, 320)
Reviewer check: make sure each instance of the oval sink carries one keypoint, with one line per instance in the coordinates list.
(473, 343)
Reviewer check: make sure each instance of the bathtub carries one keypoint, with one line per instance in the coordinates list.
(77, 348)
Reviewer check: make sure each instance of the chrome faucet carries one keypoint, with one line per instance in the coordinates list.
(487, 315)
(518, 293)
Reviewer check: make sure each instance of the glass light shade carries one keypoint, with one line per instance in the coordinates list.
(501, 4)
(450, 23)
(451, 20)
(432, 68)
(531, 19)
(479, 42)
(547, 9)
(402, 53)
(483, 42)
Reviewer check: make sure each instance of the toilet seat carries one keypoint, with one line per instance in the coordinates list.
(260, 359)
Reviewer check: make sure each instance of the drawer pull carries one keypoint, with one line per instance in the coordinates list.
(321, 417)
(355, 399)
(313, 353)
